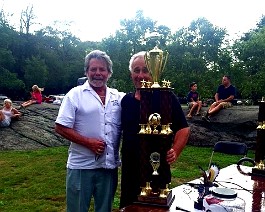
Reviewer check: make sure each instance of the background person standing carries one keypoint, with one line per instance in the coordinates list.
(89, 117)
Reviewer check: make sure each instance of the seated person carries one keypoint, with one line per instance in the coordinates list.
(193, 100)
(36, 97)
(7, 113)
(223, 97)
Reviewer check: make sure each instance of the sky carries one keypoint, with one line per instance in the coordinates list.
(92, 20)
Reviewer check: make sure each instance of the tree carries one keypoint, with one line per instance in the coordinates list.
(130, 39)
(64, 57)
(53, 58)
(10, 84)
(250, 60)
(35, 72)
(251, 51)
(26, 20)
(261, 23)
(196, 53)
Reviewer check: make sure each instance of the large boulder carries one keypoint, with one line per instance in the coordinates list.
(237, 123)
(35, 129)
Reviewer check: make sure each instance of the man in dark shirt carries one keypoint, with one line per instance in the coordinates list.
(223, 97)
(130, 118)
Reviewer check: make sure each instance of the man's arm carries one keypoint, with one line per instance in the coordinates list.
(216, 97)
(232, 92)
(180, 141)
(93, 144)
(229, 99)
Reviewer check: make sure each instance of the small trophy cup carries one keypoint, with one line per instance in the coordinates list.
(155, 162)
(155, 134)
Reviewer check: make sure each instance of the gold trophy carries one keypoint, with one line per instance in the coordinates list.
(259, 169)
(155, 60)
(155, 134)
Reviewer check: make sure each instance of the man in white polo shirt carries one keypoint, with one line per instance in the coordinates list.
(89, 117)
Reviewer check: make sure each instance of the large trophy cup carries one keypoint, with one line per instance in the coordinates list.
(156, 136)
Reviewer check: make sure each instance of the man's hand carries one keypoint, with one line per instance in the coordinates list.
(97, 146)
(171, 156)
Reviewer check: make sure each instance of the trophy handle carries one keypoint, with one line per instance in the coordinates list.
(165, 62)
(146, 63)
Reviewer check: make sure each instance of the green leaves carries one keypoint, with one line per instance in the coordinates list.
(200, 52)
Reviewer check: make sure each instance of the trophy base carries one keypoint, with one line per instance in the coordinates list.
(157, 201)
(258, 172)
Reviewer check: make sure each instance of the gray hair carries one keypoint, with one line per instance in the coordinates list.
(100, 55)
(139, 54)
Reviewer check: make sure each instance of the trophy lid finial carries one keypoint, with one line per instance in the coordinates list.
(154, 36)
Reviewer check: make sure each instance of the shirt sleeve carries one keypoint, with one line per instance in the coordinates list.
(179, 119)
(66, 114)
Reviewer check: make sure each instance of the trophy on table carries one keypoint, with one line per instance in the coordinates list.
(259, 169)
(156, 136)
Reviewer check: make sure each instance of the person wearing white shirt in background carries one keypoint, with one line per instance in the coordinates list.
(8, 113)
(89, 117)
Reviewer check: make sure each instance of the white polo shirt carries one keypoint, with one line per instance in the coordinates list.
(83, 111)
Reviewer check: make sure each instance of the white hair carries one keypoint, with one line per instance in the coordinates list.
(8, 100)
(139, 54)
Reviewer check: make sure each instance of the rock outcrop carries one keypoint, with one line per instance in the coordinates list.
(35, 129)
(237, 123)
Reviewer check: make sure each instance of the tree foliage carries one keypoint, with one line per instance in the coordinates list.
(250, 62)
(53, 58)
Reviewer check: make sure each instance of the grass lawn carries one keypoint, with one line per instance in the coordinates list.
(35, 180)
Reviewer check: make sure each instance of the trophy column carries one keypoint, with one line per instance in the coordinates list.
(259, 169)
(156, 137)
(258, 172)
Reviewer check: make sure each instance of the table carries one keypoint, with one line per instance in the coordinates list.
(251, 189)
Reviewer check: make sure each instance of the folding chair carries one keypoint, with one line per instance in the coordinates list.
(230, 148)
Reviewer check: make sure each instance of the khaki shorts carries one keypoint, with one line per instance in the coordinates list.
(190, 104)
(226, 104)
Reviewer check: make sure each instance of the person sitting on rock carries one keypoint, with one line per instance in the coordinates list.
(193, 100)
(36, 97)
(8, 113)
(223, 98)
